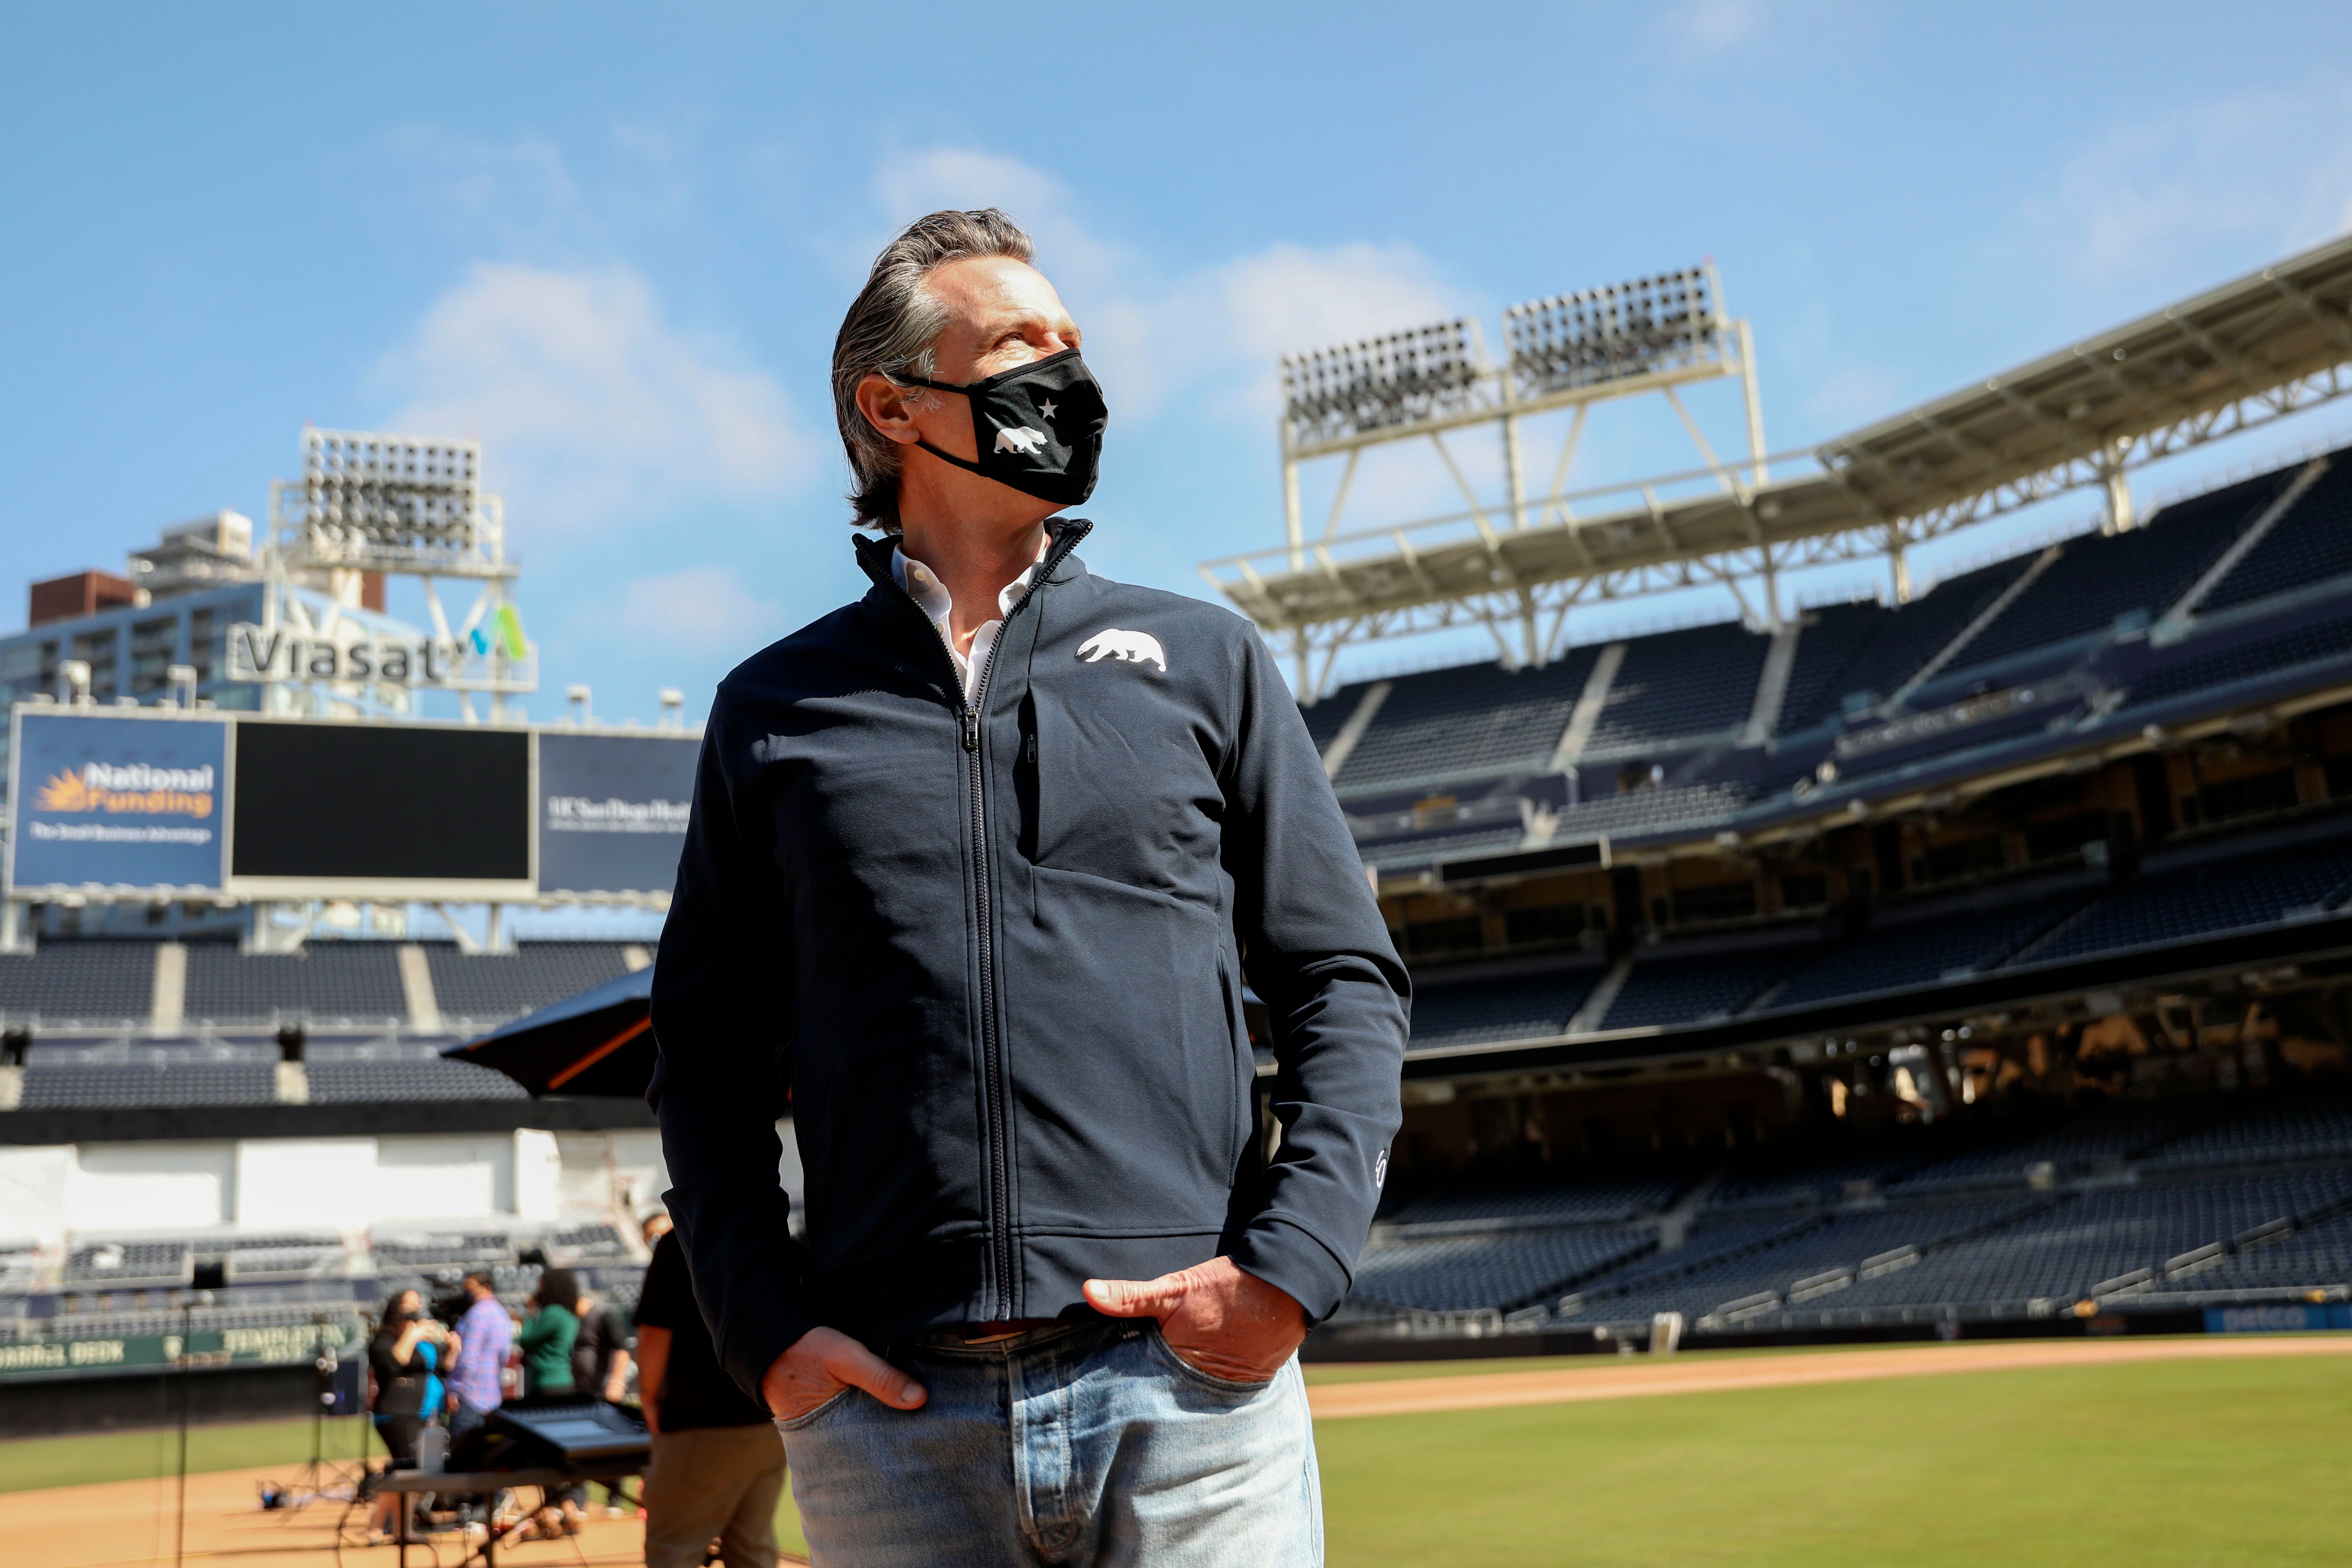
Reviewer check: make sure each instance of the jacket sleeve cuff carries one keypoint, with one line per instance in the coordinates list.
(1291, 1260)
(763, 1329)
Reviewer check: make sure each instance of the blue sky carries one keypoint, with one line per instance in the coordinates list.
(615, 243)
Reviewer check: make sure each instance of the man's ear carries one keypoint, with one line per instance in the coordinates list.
(884, 404)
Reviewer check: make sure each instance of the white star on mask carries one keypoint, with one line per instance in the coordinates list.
(1047, 408)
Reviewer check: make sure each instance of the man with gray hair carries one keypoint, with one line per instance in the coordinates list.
(977, 867)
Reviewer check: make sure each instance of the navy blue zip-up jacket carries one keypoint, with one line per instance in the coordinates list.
(994, 953)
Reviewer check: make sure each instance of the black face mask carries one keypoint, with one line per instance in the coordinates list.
(1037, 427)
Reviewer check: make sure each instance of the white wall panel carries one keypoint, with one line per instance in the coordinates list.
(34, 1185)
(152, 1186)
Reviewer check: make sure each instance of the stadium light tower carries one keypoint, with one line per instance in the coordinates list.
(1646, 338)
(400, 506)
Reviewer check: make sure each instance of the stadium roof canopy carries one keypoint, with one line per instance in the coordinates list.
(2265, 345)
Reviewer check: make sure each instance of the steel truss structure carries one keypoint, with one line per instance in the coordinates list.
(2267, 345)
(399, 506)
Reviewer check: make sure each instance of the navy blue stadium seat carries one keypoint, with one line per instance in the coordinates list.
(2195, 666)
(1563, 1202)
(1923, 951)
(2219, 895)
(1677, 687)
(1515, 1007)
(1827, 641)
(2098, 577)
(79, 982)
(1452, 726)
(130, 1078)
(1899, 642)
(490, 988)
(1675, 990)
(2311, 543)
(1497, 1271)
(326, 981)
(411, 1073)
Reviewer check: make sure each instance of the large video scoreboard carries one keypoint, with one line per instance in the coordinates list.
(152, 802)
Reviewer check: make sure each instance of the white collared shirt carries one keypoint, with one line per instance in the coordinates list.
(932, 596)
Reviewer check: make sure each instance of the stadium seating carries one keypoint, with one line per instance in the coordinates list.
(1517, 1006)
(1828, 642)
(2301, 1125)
(1654, 809)
(1769, 1182)
(128, 1076)
(2098, 577)
(1675, 688)
(73, 982)
(1899, 641)
(2224, 894)
(2291, 1259)
(1931, 946)
(2066, 1250)
(490, 988)
(1540, 1202)
(1829, 1252)
(1500, 1270)
(2194, 667)
(2111, 1133)
(417, 1078)
(328, 982)
(2310, 545)
(1664, 990)
(126, 1264)
(1445, 726)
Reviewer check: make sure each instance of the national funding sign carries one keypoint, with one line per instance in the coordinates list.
(613, 811)
(102, 802)
(140, 802)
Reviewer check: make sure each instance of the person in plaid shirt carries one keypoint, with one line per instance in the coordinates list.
(484, 1339)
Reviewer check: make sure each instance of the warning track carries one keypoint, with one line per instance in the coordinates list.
(1641, 1377)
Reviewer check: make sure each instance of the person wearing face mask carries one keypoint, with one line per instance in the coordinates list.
(977, 868)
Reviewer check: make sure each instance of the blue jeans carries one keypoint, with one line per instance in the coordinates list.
(1086, 1444)
(465, 1418)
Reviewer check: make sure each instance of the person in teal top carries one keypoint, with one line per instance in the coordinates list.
(430, 1355)
(548, 1335)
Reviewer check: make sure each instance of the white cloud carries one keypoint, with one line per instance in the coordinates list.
(590, 404)
(1288, 299)
(1152, 336)
(2266, 172)
(703, 608)
(1710, 26)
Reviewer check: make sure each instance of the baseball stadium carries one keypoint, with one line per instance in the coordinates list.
(1878, 1079)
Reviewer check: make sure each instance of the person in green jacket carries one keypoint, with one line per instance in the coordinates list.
(546, 1342)
(548, 1335)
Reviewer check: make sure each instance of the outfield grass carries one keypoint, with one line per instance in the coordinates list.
(2178, 1463)
(27, 1463)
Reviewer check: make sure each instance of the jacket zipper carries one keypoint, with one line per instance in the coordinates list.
(992, 1049)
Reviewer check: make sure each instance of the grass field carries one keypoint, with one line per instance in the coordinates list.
(2173, 1463)
(2196, 1464)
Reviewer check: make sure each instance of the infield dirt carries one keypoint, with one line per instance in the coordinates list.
(1641, 1376)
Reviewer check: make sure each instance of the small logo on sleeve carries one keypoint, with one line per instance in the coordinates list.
(1134, 648)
